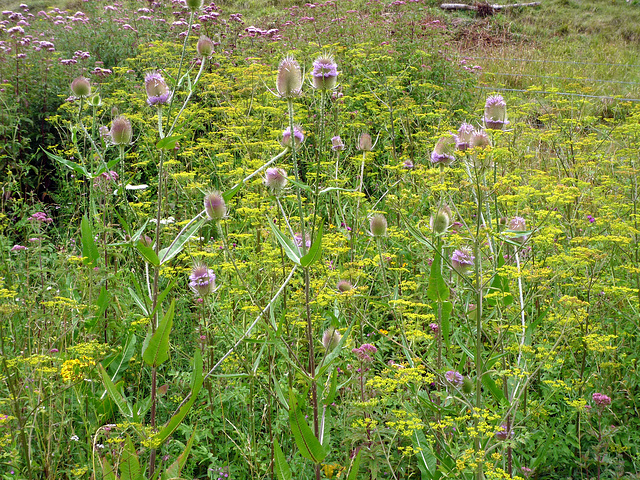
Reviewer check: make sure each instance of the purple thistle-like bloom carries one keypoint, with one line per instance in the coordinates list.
(297, 239)
(454, 378)
(344, 286)
(325, 72)
(462, 260)
(463, 139)
(337, 144)
(434, 327)
(215, 206)
(495, 113)
(202, 280)
(443, 151)
(121, 132)
(503, 432)
(289, 80)
(591, 219)
(17, 248)
(40, 217)
(158, 92)
(601, 399)
(276, 179)
(297, 134)
(103, 181)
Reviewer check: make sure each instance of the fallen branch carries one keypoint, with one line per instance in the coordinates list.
(497, 8)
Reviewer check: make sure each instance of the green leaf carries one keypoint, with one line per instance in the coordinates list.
(129, 464)
(427, 461)
(283, 471)
(173, 471)
(197, 378)
(157, 352)
(69, 164)
(307, 442)
(163, 295)
(289, 248)
(148, 253)
(168, 143)
(108, 472)
(315, 252)
(118, 398)
(437, 291)
(355, 465)
(101, 303)
(138, 301)
(229, 194)
(121, 361)
(488, 382)
(89, 249)
(280, 394)
(416, 234)
(333, 354)
(333, 387)
(177, 245)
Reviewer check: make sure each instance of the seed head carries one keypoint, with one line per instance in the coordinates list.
(158, 92)
(202, 280)
(325, 73)
(344, 286)
(443, 151)
(495, 113)
(121, 132)
(194, 5)
(463, 138)
(81, 87)
(204, 46)
(336, 144)
(479, 139)
(214, 206)
(289, 80)
(441, 221)
(330, 339)
(378, 225)
(365, 144)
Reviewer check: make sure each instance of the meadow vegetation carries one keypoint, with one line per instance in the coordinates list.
(346, 239)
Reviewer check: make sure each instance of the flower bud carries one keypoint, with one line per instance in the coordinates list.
(443, 151)
(441, 221)
(365, 143)
(204, 46)
(146, 241)
(202, 280)
(121, 132)
(495, 113)
(297, 134)
(378, 225)
(81, 87)
(275, 179)
(214, 206)
(194, 5)
(462, 260)
(158, 92)
(467, 385)
(289, 79)
(330, 339)
(325, 73)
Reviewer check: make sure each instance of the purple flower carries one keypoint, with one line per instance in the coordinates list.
(363, 352)
(462, 260)
(434, 327)
(503, 432)
(601, 400)
(297, 134)
(337, 144)
(40, 217)
(463, 138)
(297, 239)
(17, 248)
(454, 378)
(276, 179)
(495, 113)
(158, 92)
(443, 151)
(202, 280)
(215, 206)
(325, 72)
(344, 286)
(591, 219)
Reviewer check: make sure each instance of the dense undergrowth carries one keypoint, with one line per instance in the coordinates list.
(398, 307)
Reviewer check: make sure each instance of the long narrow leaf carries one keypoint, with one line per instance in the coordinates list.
(176, 467)
(315, 252)
(89, 249)
(157, 351)
(129, 463)
(116, 396)
(307, 442)
(283, 471)
(355, 466)
(176, 247)
(292, 252)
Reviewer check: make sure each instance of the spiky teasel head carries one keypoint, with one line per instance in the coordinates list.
(158, 92)
(337, 144)
(518, 224)
(344, 286)
(289, 80)
(121, 132)
(325, 72)
(204, 46)
(441, 220)
(454, 378)
(365, 144)
(330, 338)
(442, 154)
(214, 206)
(194, 5)
(202, 280)
(298, 135)
(378, 225)
(81, 87)
(463, 138)
(276, 179)
(495, 113)
(462, 260)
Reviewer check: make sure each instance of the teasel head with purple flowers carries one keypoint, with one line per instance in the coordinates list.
(121, 132)
(202, 280)
(442, 154)
(463, 138)
(275, 179)
(495, 113)
(298, 135)
(215, 206)
(289, 79)
(325, 73)
(462, 260)
(158, 92)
